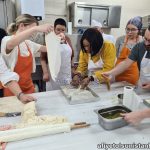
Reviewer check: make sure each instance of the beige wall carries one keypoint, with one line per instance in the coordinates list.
(130, 8)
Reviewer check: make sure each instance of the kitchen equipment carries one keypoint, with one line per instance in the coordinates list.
(147, 102)
(110, 118)
(13, 114)
(81, 14)
(13, 134)
(73, 95)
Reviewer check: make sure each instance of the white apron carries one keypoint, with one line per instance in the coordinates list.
(144, 74)
(92, 67)
(64, 75)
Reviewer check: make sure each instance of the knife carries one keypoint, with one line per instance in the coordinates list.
(13, 114)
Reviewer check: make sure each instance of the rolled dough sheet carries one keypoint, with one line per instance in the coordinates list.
(53, 53)
(34, 131)
(10, 104)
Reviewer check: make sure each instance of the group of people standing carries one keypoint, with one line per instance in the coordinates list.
(128, 60)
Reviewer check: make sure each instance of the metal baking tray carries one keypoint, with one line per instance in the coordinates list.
(81, 100)
(109, 118)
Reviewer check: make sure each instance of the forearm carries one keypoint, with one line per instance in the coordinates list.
(44, 66)
(43, 58)
(121, 67)
(20, 37)
(43, 49)
(14, 87)
(145, 113)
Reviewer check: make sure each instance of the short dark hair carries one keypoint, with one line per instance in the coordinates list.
(60, 21)
(95, 38)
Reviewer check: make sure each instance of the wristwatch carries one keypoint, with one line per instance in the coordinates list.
(91, 78)
(18, 96)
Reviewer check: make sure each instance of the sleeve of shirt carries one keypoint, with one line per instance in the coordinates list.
(4, 44)
(34, 46)
(109, 57)
(5, 74)
(134, 53)
(83, 63)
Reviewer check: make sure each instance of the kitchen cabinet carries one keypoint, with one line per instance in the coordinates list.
(81, 14)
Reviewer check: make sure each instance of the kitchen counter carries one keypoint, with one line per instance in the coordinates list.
(91, 138)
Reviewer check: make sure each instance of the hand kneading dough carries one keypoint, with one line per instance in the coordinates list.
(29, 117)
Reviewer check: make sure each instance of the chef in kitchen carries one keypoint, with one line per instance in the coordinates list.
(18, 51)
(140, 54)
(96, 56)
(9, 80)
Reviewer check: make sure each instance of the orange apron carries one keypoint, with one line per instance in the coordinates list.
(24, 68)
(131, 75)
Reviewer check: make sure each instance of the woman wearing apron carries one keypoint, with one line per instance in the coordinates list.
(140, 54)
(18, 52)
(124, 45)
(9, 80)
(64, 75)
(96, 56)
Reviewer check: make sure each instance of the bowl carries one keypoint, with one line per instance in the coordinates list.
(110, 118)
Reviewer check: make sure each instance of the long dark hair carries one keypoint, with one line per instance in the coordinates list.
(95, 39)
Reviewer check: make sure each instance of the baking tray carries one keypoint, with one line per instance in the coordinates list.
(71, 101)
(115, 120)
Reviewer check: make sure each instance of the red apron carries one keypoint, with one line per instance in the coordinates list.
(131, 75)
(24, 68)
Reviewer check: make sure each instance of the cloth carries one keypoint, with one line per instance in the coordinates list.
(136, 21)
(64, 75)
(109, 37)
(94, 66)
(138, 52)
(131, 75)
(121, 41)
(23, 67)
(11, 58)
(144, 73)
(108, 56)
(5, 74)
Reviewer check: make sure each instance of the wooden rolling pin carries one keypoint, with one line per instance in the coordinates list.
(80, 125)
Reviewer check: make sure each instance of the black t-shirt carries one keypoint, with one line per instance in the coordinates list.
(138, 52)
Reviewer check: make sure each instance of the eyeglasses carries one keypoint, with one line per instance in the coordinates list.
(131, 30)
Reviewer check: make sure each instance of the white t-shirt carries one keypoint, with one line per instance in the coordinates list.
(5, 74)
(11, 58)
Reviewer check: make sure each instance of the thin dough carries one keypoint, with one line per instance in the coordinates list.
(10, 104)
(53, 53)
